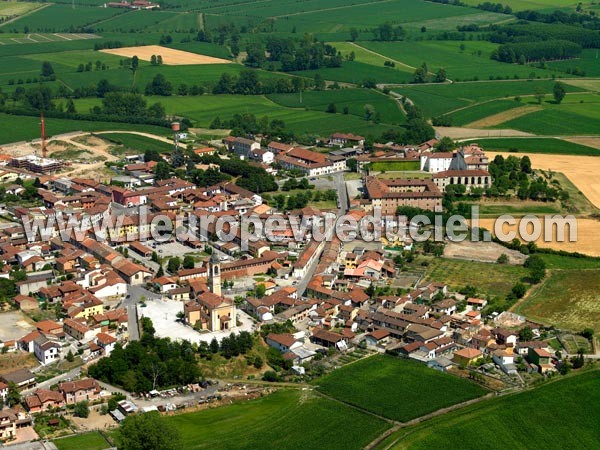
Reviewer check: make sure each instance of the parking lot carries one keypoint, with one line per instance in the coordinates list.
(14, 325)
(163, 314)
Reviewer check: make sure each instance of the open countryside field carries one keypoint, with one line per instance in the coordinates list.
(438, 99)
(537, 145)
(170, 57)
(589, 62)
(204, 109)
(396, 388)
(472, 63)
(489, 278)
(576, 115)
(58, 18)
(287, 419)
(356, 100)
(568, 299)
(586, 240)
(521, 421)
(14, 8)
(520, 5)
(24, 128)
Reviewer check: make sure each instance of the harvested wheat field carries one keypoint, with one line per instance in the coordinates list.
(497, 119)
(583, 171)
(588, 236)
(170, 56)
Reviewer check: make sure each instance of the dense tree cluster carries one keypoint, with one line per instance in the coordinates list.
(387, 32)
(524, 52)
(288, 54)
(253, 178)
(151, 363)
(530, 32)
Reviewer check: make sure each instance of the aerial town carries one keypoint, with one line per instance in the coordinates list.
(312, 305)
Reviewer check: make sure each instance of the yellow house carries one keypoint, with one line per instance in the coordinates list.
(89, 309)
(467, 356)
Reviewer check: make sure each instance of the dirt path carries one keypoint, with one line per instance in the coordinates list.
(439, 412)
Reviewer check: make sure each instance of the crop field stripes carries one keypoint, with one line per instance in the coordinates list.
(376, 2)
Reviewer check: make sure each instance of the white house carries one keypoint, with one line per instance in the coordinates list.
(106, 342)
(46, 351)
(283, 342)
(436, 162)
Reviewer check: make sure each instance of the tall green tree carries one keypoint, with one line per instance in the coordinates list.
(148, 431)
(559, 91)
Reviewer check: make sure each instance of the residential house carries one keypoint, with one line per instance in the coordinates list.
(45, 350)
(23, 378)
(467, 356)
(86, 389)
(284, 342)
(44, 400)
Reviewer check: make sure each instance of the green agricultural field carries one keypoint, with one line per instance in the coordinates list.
(62, 18)
(537, 145)
(356, 100)
(472, 62)
(205, 108)
(517, 208)
(445, 98)
(395, 166)
(87, 441)
(356, 72)
(520, 5)
(284, 420)
(21, 128)
(396, 388)
(469, 115)
(589, 62)
(135, 21)
(548, 417)
(489, 278)
(566, 299)
(577, 115)
(570, 262)
(136, 142)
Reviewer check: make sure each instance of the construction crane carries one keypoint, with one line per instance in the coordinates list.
(43, 125)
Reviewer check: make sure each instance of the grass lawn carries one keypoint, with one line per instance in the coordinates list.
(396, 388)
(537, 145)
(137, 143)
(567, 299)
(287, 419)
(556, 415)
(489, 278)
(394, 166)
(87, 441)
